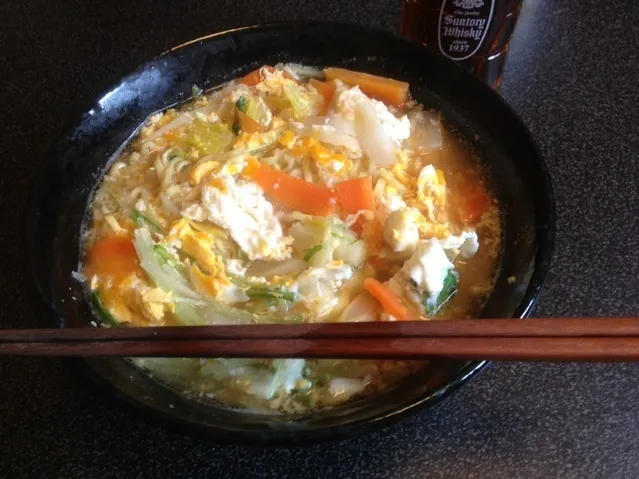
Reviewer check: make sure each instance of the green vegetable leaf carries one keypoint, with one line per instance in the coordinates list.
(174, 155)
(241, 104)
(141, 219)
(320, 379)
(253, 110)
(448, 291)
(303, 397)
(208, 138)
(163, 255)
(196, 91)
(103, 313)
(303, 102)
(298, 318)
(260, 292)
(309, 252)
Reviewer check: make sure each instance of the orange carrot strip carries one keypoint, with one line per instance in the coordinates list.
(294, 193)
(112, 256)
(356, 194)
(254, 77)
(391, 92)
(247, 124)
(326, 89)
(389, 301)
(473, 203)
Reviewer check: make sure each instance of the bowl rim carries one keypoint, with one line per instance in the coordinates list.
(544, 238)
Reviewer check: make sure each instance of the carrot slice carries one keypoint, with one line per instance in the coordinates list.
(254, 77)
(247, 124)
(391, 92)
(112, 256)
(475, 205)
(389, 301)
(326, 89)
(473, 202)
(294, 193)
(356, 194)
(372, 232)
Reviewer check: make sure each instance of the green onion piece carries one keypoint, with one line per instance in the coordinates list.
(258, 292)
(298, 318)
(163, 255)
(183, 252)
(241, 104)
(196, 91)
(309, 252)
(103, 313)
(141, 219)
(303, 397)
(174, 156)
(448, 291)
(320, 379)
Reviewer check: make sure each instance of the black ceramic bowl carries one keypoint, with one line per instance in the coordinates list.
(471, 107)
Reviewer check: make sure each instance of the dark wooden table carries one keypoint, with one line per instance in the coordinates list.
(572, 77)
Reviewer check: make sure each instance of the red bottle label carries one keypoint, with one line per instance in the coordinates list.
(462, 27)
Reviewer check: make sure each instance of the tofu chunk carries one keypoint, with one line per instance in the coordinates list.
(401, 231)
(427, 268)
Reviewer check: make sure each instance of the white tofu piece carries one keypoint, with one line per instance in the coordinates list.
(401, 232)
(427, 268)
(317, 287)
(287, 373)
(387, 203)
(466, 244)
(235, 267)
(346, 387)
(398, 129)
(232, 294)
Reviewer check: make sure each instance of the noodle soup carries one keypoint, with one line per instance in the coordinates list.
(291, 195)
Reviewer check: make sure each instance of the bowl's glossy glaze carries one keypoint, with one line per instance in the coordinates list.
(469, 106)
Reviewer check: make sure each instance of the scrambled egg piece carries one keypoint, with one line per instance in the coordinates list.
(178, 230)
(208, 273)
(241, 208)
(401, 173)
(287, 139)
(152, 303)
(323, 156)
(205, 283)
(201, 170)
(273, 81)
(235, 165)
(429, 229)
(200, 247)
(431, 192)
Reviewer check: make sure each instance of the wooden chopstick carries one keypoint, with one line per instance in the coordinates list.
(559, 339)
